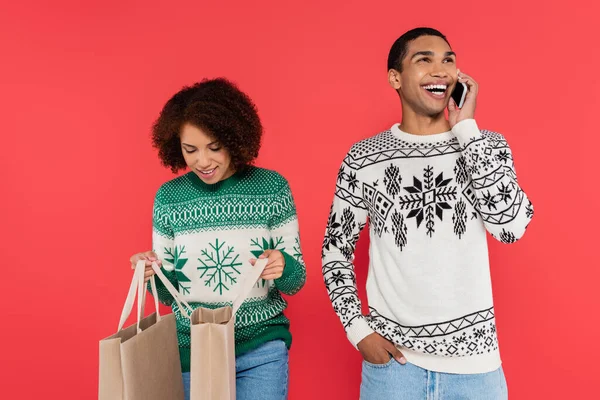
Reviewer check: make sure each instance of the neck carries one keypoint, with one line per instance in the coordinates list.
(228, 174)
(229, 180)
(419, 124)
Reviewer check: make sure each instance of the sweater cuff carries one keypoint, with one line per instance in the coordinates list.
(293, 277)
(289, 266)
(466, 131)
(359, 330)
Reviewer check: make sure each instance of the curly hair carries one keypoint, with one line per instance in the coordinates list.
(218, 107)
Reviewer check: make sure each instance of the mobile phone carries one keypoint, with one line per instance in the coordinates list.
(460, 93)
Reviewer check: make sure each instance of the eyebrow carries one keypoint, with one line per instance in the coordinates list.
(431, 53)
(210, 144)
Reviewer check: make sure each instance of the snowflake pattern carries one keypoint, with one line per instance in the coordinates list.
(503, 156)
(273, 243)
(338, 278)
(349, 301)
(337, 231)
(349, 178)
(219, 266)
(428, 198)
(505, 192)
(333, 235)
(298, 251)
(479, 333)
(178, 263)
(260, 246)
(352, 181)
(458, 340)
(488, 200)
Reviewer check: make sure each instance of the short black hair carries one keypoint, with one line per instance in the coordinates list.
(400, 46)
(217, 106)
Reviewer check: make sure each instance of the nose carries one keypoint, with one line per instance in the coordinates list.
(439, 72)
(202, 160)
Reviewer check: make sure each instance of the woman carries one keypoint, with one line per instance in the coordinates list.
(211, 224)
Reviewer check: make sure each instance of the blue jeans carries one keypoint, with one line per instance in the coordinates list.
(409, 382)
(261, 374)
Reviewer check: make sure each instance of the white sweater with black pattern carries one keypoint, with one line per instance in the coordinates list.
(429, 200)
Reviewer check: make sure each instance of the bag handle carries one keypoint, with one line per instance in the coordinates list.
(249, 280)
(183, 305)
(153, 290)
(141, 298)
(136, 290)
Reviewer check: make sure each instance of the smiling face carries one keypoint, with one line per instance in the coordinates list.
(205, 156)
(428, 76)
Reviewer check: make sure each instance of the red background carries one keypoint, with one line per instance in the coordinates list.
(81, 83)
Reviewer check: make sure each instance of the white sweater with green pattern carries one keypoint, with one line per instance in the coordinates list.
(205, 236)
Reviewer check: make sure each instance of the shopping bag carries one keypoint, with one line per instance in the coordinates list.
(141, 361)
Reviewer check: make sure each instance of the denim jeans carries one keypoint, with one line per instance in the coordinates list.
(409, 382)
(261, 374)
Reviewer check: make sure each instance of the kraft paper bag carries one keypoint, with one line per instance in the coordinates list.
(212, 368)
(141, 362)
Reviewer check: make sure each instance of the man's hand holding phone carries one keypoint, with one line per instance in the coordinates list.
(467, 111)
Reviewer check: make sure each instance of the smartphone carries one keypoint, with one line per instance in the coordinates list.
(460, 93)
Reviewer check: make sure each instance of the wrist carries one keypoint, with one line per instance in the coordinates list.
(465, 130)
(358, 330)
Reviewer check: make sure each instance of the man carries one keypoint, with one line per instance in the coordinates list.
(430, 188)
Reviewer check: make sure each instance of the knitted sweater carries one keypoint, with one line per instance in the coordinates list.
(429, 201)
(205, 236)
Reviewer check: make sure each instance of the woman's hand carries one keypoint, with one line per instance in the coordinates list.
(275, 264)
(149, 257)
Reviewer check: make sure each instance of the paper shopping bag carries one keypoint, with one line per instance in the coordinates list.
(212, 366)
(141, 362)
(213, 345)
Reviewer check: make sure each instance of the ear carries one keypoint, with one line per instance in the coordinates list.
(394, 79)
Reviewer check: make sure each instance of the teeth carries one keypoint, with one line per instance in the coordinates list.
(433, 87)
(208, 172)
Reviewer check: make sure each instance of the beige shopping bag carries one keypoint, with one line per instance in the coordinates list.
(141, 362)
(212, 368)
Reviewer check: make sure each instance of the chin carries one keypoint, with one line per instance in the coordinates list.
(212, 181)
(209, 181)
(435, 113)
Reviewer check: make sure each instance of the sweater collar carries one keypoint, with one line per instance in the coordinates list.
(215, 187)
(412, 138)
